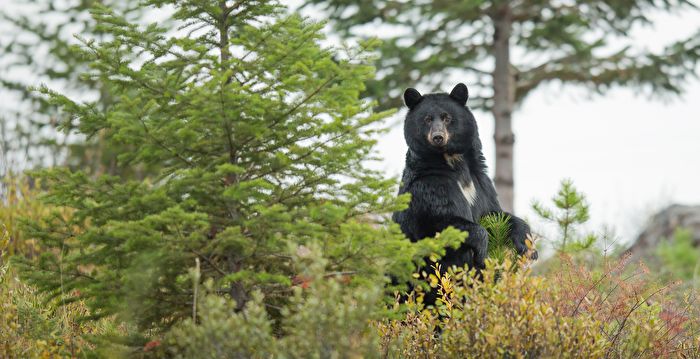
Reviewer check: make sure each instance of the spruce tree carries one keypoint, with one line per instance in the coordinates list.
(508, 49)
(261, 139)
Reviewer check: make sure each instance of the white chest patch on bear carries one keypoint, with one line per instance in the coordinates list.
(469, 192)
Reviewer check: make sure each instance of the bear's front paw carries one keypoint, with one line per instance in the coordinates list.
(525, 245)
(533, 254)
(478, 242)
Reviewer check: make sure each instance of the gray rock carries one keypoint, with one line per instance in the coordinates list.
(662, 226)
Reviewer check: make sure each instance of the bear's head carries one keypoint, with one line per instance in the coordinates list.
(439, 123)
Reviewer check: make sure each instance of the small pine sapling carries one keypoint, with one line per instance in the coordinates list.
(498, 227)
(570, 211)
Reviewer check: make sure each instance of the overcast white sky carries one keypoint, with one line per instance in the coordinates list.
(631, 155)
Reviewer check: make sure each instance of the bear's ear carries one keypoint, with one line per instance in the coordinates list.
(412, 97)
(460, 94)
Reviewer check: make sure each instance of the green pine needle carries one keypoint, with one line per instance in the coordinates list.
(498, 227)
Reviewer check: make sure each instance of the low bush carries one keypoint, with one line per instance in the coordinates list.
(27, 328)
(18, 201)
(32, 324)
(571, 313)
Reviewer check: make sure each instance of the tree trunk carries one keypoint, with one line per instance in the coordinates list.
(504, 97)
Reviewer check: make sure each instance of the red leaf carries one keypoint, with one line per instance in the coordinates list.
(150, 345)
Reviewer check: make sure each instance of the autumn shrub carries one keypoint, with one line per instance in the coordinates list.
(26, 326)
(513, 316)
(33, 326)
(639, 315)
(573, 313)
(19, 199)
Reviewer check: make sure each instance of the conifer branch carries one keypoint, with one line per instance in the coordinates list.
(163, 145)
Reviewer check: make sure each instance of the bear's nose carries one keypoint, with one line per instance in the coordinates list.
(438, 139)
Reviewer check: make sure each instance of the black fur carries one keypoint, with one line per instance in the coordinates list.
(436, 169)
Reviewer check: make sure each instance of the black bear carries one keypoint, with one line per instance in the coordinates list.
(446, 175)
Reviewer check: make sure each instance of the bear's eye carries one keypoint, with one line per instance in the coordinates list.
(446, 118)
(428, 119)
